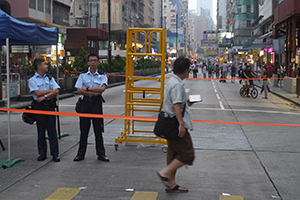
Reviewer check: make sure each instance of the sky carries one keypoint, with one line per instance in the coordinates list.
(193, 4)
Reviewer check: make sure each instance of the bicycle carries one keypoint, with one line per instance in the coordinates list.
(249, 90)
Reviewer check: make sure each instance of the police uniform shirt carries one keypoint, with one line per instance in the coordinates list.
(39, 83)
(90, 80)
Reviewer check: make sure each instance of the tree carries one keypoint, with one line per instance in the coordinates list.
(80, 63)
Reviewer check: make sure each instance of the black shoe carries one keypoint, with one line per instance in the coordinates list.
(103, 158)
(42, 157)
(56, 159)
(78, 158)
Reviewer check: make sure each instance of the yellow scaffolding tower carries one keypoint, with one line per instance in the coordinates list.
(133, 104)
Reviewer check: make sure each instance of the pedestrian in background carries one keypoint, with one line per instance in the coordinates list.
(204, 70)
(209, 69)
(91, 84)
(224, 71)
(233, 73)
(181, 151)
(195, 69)
(217, 71)
(266, 74)
(44, 90)
(265, 82)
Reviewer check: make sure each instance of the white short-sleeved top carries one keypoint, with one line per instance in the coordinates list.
(175, 93)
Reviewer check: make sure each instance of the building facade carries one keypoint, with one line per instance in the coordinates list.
(51, 13)
(245, 14)
(287, 27)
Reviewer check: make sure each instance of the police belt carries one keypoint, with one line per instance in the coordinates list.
(47, 102)
(95, 98)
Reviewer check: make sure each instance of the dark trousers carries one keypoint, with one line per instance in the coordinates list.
(94, 107)
(43, 123)
(195, 73)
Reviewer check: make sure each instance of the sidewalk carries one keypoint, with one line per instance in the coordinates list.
(292, 98)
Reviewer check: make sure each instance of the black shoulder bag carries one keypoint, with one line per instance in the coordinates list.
(167, 127)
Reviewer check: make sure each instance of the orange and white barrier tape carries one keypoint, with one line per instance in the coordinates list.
(154, 119)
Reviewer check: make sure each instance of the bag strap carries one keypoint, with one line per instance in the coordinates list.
(183, 110)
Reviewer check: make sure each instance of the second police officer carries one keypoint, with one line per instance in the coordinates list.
(91, 84)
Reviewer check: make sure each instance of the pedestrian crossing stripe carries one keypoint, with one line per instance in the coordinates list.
(231, 197)
(145, 196)
(63, 194)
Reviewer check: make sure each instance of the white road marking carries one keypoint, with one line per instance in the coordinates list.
(221, 105)
(216, 90)
(218, 97)
(187, 90)
(245, 110)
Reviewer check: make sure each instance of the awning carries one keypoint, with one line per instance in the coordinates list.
(263, 41)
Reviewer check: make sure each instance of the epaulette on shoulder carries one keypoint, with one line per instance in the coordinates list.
(49, 76)
(83, 72)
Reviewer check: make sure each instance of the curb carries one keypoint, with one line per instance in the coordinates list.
(282, 96)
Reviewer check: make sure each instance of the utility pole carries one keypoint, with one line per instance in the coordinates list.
(218, 30)
(161, 13)
(177, 34)
(109, 33)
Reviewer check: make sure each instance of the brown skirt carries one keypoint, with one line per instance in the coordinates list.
(181, 150)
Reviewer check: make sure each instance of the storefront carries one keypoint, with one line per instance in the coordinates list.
(287, 26)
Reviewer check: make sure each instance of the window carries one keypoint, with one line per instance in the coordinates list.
(60, 14)
(239, 9)
(248, 8)
(32, 4)
(248, 23)
(41, 5)
(48, 6)
(80, 22)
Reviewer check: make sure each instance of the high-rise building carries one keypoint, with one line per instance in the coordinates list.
(124, 13)
(222, 16)
(245, 14)
(157, 14)
(205, 4)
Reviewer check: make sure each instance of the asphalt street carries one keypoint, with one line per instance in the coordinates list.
(254, 162)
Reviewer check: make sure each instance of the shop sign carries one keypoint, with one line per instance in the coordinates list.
(243, 56)
(255, 53)
(298, 51)
(268, 50)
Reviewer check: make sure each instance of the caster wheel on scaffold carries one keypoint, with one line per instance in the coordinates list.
(164, 149)
(116, 147)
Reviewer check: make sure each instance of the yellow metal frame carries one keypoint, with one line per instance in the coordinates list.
(131, 134)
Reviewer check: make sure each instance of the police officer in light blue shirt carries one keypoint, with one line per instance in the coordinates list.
(91, 84)
(44, 90)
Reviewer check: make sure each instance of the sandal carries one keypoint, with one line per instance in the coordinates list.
(164, 180)
(177, 189)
